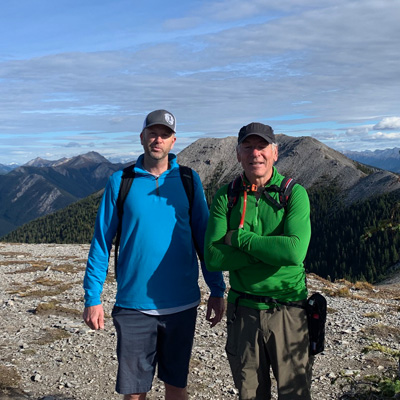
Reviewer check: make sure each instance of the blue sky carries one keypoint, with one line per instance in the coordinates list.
(77, 76)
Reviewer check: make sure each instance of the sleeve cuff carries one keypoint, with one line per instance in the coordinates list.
(217, 293)
(92, 301)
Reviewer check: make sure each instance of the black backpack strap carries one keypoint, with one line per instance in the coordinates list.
(284, 190)
(236, 187)
(128, 175)
(233, 193)
(188, 184)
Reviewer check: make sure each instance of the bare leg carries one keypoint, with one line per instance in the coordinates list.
(175, 393)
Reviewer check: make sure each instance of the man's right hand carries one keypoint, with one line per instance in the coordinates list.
(94, 317)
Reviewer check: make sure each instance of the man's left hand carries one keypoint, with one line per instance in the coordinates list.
(216, 305)
(228, 238)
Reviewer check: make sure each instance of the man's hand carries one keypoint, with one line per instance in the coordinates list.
(216, 305)
(94, 317)
(228, 238)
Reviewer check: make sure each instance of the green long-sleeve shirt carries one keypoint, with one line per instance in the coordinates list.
(266, 256)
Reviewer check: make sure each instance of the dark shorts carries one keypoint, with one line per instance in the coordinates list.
(145, 341)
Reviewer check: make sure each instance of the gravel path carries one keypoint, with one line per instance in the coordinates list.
(48, 353)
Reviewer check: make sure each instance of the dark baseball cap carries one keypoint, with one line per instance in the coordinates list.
(256, 128)
(160, 117)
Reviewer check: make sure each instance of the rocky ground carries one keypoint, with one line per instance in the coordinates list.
(47, 352)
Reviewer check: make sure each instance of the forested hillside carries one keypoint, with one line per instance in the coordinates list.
(340, 245)
(360, 242)
(73, 224)
(347, 200)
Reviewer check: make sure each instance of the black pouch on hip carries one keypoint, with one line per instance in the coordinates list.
(316, 316)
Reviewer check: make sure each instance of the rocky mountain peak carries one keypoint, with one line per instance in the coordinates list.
(38, 162)
(91, 157)
(310, 162)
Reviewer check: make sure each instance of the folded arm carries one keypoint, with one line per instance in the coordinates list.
(290, 248)
(218, 255)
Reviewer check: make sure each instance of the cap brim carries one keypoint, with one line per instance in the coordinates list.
(158, 123)
(266, 138)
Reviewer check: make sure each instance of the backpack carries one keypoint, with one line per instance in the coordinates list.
(237, 186)
(128, 175)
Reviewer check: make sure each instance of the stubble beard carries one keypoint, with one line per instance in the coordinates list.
(158, 155)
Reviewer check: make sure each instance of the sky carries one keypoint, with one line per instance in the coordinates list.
(81, 75)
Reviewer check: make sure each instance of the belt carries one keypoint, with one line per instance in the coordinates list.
(261, 299)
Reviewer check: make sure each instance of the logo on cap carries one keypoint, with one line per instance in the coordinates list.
(169, 118)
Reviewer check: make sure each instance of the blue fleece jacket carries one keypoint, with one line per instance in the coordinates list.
(157, 263)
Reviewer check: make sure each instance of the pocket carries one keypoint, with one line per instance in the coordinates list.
(231, 346)
(115, 311)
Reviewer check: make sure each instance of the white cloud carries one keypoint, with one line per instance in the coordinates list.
(357, 131)
(328, 61)
(388, 123)
(387, 136)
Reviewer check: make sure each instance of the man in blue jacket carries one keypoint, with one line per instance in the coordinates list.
(157, 282)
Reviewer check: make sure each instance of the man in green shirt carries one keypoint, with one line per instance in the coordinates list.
(263, 246)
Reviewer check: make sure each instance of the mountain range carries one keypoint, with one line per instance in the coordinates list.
(42, 187)
(355, 209)
(305, 159)
(388, 159)
(5, 169)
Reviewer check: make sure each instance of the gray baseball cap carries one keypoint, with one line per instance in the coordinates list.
(256, 128)
(160, 117)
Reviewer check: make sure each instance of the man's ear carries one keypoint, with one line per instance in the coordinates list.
(276, 154)
(239, 158)
(173, 141)
(141, 137)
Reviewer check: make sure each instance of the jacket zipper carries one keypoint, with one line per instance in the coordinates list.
(255, 220)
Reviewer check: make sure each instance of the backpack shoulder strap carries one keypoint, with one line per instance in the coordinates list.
(188, 184)
(284, 191)
(128, 175)
(233, 193)
(187, 180)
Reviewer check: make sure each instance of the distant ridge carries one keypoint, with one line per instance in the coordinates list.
(355, 209)
(91, 157)
(5, 169)
(41, 162)
(388, 159)
(41, 187)
(305, 159)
